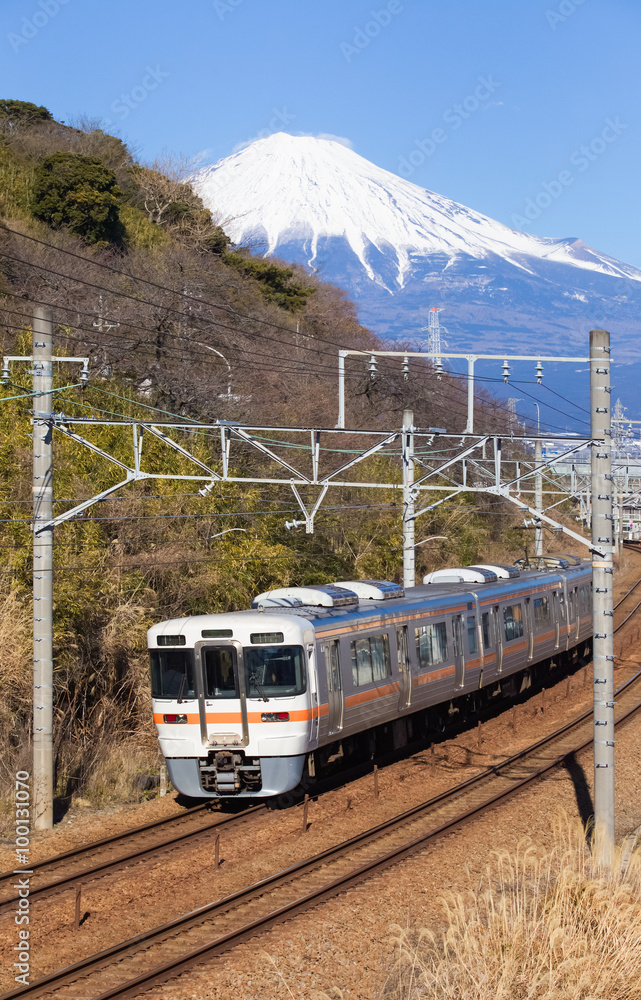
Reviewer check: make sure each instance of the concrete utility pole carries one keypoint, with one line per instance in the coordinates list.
(538, 497)
(602, 597)
(42, 571)
(469, 427)
(409, 520)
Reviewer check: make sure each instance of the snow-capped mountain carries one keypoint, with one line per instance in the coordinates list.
(399, 249)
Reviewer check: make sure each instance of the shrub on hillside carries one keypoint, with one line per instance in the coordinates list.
(275, 280)
(16, 114)
(80, 193)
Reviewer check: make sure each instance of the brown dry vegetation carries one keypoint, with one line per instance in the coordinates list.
(541, 925)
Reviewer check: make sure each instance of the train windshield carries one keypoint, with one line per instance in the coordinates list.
(274, 671)
(221, 678)
(172, 673)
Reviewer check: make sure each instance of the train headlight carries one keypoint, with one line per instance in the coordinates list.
(274, 717)
(174, 718)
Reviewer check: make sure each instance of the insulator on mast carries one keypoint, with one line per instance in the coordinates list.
(539, 372)
(406, 369)
(506, 371)
(372, 369)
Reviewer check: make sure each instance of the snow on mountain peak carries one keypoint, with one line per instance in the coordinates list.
(287, 189)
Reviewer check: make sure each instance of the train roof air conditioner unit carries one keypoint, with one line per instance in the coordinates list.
(502, 571)
(464, 574)
(373, 590)
(326, 595)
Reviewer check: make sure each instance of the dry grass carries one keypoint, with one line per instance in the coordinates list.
(16, 690)
(541, 926)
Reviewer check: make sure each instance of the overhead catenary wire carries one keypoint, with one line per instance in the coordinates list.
(331, 373)
(181, 293)
(203, 319)
(468, 509)
(200, 301)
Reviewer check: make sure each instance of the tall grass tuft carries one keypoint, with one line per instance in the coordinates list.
(541, 925)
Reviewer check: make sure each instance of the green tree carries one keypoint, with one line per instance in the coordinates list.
(275, 280)
(78, 192)
(15, 113)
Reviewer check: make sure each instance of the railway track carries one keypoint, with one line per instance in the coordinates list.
(163, 952)
(64, 871)
(626, 607)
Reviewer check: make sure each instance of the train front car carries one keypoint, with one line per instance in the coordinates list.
(232, 702)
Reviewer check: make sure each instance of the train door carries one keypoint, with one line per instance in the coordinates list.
(221, 682)
(334, 686)
(529, 625)
(498, 634)
(564, 605)
(312, 673)
(556, 606)
(459, 655)
(575, 613)
(405, 676)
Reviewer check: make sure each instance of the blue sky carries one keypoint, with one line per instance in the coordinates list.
(548, 118)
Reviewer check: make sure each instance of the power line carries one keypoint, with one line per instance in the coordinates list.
(183, 294)
(168, 308)
(319, 370)
(456, 375)
(200, 301)
(232, 350)
(247, 360)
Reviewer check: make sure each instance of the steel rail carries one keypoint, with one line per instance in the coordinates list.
(259, 889)
(161, 974)
(627, 617)
(98, 870)
(626, 595)
(87, 848)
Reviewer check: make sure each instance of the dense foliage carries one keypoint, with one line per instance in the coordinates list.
(78, 192)
(14, 114)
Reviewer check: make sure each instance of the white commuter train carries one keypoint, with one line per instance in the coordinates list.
(245, 703)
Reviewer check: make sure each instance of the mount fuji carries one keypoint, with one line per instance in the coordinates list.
(398, 249)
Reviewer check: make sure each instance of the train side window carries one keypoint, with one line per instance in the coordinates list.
(561, 608)
(513, 621)
(584, 601)
(371, 660)
(541, 607)
(487, 635)
(471, 633)
(431, 644)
